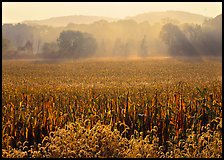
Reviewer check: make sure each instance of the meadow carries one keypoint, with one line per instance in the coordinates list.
(112, 108)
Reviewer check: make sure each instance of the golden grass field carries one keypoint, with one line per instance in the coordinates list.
(109, 108)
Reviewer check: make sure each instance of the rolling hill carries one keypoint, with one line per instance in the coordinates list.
(63, 21)
(151, 17)
(177, 16)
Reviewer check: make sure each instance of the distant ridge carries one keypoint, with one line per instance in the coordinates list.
(180, 16)
(64, 20)
(151, 17)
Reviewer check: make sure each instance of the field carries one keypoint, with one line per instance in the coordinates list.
(112, 108)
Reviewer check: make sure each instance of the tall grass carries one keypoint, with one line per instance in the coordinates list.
(115, 109)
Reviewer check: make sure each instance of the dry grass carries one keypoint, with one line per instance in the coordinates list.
(145, 108)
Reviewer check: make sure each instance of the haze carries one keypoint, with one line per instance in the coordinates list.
(14, 12)
(118, 30)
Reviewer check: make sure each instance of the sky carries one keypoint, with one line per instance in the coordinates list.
(14, 12)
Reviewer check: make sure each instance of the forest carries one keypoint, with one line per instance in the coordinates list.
(120, 38)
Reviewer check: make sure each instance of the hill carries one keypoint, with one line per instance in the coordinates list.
(63, 21)
(176, 16)
(214, 22)
(151, 17)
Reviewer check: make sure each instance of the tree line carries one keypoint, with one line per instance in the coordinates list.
(114, 39)
(70, 44)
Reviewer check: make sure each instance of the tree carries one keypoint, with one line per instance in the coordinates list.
(118, 47)
(27, 49)
(207, 39)
(144, 47)
(121, 49)
(5, 45)
(212, 36)
(50, 50)
(192, 32)
(177, 42)
(76, 44)
(18, 34)
(7, 48)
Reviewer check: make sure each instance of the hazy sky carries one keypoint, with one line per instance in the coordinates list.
(14, 12)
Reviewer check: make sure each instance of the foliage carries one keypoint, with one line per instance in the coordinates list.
(50, 50)
(144, 47)
(177, 42)
(76, 44)
(126, 37)
(7, 48)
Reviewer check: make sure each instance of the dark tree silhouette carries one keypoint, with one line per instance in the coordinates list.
(50, 50)
(76, 44)
(177, 42)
